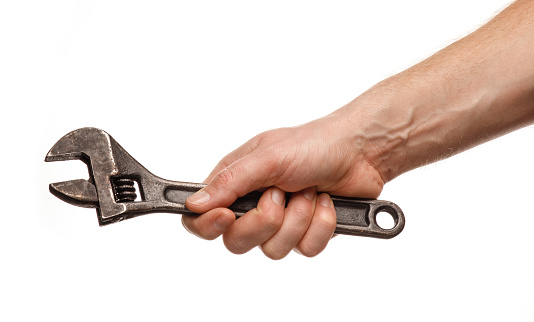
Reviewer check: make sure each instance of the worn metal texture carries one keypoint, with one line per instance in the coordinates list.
(119, 188)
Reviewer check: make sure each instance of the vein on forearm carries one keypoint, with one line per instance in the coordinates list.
(472, 91)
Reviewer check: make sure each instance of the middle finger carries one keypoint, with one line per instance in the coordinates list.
(258, 225)
(297, 219)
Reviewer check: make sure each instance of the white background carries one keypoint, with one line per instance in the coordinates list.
(181, 83)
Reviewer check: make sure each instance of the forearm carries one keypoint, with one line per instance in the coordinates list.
(474, 90)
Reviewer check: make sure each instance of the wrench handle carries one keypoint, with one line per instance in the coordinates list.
(354, 216)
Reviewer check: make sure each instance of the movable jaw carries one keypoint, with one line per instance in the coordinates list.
(93, 147)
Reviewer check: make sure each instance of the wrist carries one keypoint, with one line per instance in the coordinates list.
(384, 120)
(410, 120)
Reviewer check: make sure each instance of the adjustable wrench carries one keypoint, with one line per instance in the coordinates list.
(116, 179)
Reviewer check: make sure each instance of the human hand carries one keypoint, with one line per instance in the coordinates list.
(474, 90)
(321, 155)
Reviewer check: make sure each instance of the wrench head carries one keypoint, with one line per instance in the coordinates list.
(83, 144)
(95, 148)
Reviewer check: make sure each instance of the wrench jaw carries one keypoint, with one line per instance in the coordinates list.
(113, 173)
(77, 192)
(93, 147)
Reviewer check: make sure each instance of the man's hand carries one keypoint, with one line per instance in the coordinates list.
(318, 156)
(472, 91)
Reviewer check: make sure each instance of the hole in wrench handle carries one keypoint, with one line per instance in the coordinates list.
(358, 217)
(354, 216)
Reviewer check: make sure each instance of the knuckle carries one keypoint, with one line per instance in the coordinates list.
(224, 177)
(301, 213)
(271, 220)
(273, 252)
(188, 224)
(235, 245)
(275, 256)
(209, 235)
(193, 226)
(261, 137)
(200, 233)
(327, 220)
(308, 250)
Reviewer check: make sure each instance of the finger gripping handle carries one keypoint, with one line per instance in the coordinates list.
(354, 216)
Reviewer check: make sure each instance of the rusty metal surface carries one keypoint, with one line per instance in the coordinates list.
(120, 188)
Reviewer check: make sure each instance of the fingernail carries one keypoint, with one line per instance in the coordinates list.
(199, 198)
(222, 222)
(309, 193)
(278, 196)
(325, 201)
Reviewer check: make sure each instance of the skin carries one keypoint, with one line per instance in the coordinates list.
(474, 90)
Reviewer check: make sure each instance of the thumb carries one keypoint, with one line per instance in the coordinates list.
(236, 180)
